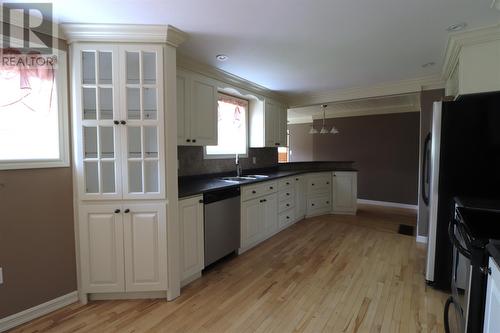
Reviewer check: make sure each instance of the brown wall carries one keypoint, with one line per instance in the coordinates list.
(385, 149)
(37, 249)
(301, 143)
(37, 245)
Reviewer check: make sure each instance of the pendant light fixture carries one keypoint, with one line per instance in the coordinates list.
(323, 130)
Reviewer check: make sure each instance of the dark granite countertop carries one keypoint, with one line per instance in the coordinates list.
(194, 185)
(494, 250)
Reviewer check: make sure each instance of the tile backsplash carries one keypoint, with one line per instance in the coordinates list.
(191, 161)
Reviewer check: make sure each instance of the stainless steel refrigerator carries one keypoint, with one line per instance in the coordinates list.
(463, 160)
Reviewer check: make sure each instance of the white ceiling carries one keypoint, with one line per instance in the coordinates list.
(362, 107)
(302, 45)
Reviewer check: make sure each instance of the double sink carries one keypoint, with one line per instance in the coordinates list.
(240, 179)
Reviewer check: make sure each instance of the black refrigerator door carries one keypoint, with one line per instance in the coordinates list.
(469, 166)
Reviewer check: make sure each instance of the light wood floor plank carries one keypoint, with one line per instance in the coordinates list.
(325, 274)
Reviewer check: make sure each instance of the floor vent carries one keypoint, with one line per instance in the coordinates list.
(406, 230)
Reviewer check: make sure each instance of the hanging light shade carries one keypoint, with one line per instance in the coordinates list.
(334, 130)
(323, 130)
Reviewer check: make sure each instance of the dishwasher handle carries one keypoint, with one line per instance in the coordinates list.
(219, 195)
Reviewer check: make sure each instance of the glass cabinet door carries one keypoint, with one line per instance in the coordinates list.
(143, 167)
(99, 123)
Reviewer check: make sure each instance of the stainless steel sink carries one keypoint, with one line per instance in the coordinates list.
(238, 179)
(258, 176)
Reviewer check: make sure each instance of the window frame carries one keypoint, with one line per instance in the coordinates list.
(231, 156)
(62, 87)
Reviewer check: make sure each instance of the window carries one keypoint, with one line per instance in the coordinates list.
(284, 152)
(232, 128)
(33, 120)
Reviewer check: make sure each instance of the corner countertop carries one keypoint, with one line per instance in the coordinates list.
(196, 185)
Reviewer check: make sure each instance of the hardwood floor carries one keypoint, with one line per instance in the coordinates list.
(325, 274)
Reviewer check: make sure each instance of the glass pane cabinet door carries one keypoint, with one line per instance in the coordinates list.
(100, 167)
(142, 87)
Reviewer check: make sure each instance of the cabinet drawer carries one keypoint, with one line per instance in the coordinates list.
(286, 218)
(319, 203)
(286, 195)
(254, 191)
(285, 183)
(319, 183)
(286, 204)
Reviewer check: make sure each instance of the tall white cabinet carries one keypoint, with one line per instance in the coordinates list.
(120, 144)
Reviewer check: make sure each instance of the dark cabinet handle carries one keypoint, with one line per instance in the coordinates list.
(312, 184)
(127, 210)
(253, 192)
(296, 179)
(116, 122)
(327, 183)
(287, 183)
(270, 187)
(328, 202)
(200, 201)
(188, 140)
(312, 205)
(123, 122)
(117, 211)
(194, 140)
(262, 200)
(334, 175)
(288, 194)
(288, 205)
(288, 217)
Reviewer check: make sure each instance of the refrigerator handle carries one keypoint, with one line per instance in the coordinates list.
(425, 177)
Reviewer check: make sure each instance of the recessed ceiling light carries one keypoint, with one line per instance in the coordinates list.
(428, 64)
(456, 27)
(221, 57)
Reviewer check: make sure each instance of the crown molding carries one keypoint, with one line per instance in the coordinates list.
(134, 33)
(218, 74)
(458, 40)
(377, 90)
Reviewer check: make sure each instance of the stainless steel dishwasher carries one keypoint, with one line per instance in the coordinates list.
(222, 223)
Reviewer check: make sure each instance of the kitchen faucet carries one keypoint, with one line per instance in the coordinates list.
(238, 167)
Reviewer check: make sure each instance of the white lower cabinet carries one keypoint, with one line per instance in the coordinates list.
(270, 209)
(123, 247)
(101, 248)
(319, 192)
(300, 197)
(259, 217)
(492, 308)
(191, 226)
(145, 235)
(344, 192)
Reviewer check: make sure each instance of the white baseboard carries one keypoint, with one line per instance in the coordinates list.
(37, 311)
(422, 239)
(387, 204)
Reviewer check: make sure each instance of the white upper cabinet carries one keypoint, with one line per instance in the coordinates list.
(118, 99)
(268, 125)
(471, 62)
(197, 98)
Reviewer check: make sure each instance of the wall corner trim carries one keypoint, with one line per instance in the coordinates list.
(387, 204)
(37, 311)
(422, 239)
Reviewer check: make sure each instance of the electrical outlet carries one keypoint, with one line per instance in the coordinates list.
(254, 160)
(1, 275)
